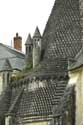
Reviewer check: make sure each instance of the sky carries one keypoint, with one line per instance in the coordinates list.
(22, 16)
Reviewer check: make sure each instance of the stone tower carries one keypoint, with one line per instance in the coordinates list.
(29, 48)
(36, 47)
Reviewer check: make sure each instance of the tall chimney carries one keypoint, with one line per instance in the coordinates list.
(18, 42)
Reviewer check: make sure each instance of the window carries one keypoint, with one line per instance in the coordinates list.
(26, 50)
(29, 48)
(7, 77)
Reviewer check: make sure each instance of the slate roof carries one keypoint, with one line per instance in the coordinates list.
(62, 35)
(7, 65)
(38, 102)
(5, 101)
(52, 67)
(65, 102)
(16, 58)
(77, 62)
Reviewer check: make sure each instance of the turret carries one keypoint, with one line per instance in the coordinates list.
(29, 48)
(36, 47)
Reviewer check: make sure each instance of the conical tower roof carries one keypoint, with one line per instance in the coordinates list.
(7, 66)
(62, 35)
(29, 40)
(37, 33)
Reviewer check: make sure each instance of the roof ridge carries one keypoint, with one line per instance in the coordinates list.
(12, 49)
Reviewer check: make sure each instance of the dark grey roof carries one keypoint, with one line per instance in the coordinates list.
(57, 68)
(16, 58)
(77, 62)
(6, 65)
(65, 102)
(62, 35)
(37, 33)
(29, 40)
(5, 101)
(38, 102)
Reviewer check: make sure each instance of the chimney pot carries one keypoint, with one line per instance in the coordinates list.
(16, 34)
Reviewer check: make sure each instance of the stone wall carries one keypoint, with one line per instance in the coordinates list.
(76, 78)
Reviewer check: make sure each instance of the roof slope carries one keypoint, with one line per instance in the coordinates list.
(5, 101)
(39, 102)
(62, 35)
(65, 102)
(7, 66)
(61, 39)
(16, 58)
(51, 67)
(66, 107)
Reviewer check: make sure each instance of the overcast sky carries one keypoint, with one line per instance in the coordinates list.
(22, 16)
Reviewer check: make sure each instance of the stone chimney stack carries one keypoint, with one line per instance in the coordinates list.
(17, 42)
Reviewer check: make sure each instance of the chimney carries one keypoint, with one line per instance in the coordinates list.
(18, 42)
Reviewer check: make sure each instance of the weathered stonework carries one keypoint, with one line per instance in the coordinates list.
(76, 78)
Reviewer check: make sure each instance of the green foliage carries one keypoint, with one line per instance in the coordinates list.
(27, 69)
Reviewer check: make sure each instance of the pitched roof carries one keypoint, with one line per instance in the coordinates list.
(12, 50)
(38, 102)
(16, 58)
